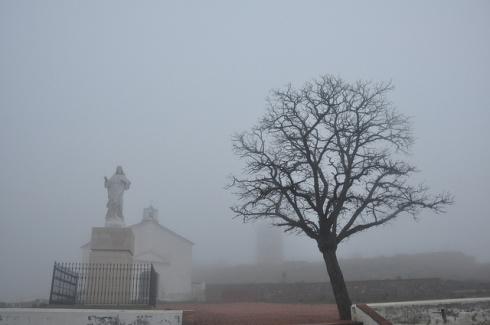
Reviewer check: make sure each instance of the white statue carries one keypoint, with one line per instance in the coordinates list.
(116, 185)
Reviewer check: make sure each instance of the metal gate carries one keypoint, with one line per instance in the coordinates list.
(63, 285)
(103, 284)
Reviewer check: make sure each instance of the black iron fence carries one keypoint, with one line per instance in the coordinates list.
(103, 284)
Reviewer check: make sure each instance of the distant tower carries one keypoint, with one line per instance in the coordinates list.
(269, 245)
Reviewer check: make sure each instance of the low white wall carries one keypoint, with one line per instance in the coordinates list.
(48, 316)
(360, 316)
(470, 311)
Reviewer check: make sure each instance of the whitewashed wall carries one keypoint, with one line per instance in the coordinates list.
(470, 311)
(360, 316)
(171, 256)
(46, 316)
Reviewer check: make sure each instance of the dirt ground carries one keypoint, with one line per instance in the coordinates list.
(259, 313)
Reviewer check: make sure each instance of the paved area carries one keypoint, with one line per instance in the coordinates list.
(260, 313)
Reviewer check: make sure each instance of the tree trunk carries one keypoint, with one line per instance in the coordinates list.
(338, 284)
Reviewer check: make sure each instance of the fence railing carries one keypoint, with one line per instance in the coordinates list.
(103, 284)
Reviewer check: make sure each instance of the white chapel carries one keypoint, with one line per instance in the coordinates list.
(169, 252)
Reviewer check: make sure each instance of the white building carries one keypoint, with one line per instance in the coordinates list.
(170, 254)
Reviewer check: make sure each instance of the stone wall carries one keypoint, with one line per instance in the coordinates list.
(360, 291)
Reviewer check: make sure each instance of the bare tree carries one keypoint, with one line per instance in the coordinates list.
(325, 160)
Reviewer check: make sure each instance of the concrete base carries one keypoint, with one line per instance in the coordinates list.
(111, 246)
(49, 316)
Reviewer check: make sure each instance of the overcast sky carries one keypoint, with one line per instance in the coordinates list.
(159, 87)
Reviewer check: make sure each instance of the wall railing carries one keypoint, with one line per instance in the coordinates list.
(103, 284)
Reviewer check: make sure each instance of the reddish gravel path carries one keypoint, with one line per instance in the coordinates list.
(259, 313)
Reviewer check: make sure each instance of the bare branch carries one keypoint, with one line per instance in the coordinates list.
(322, 161)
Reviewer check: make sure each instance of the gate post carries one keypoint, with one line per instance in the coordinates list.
(153, 287)
(52, 282)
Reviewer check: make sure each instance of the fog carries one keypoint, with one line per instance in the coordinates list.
(160, 87)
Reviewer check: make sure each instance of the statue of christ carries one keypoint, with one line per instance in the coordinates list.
(116, 185)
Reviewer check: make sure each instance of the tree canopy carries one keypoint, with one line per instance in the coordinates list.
(325, 160)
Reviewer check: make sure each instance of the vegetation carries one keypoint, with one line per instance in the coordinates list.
(325, 160)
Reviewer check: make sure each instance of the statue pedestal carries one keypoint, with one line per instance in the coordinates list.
(114, 223)
(109, 246)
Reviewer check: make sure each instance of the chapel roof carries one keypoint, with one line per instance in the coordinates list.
(173, 233)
